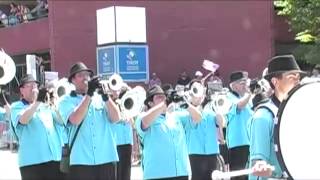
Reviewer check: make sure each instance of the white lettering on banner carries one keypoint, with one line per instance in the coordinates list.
(132, 68)
(132, 65)
(132, 62)
(107, 63)
(106, 68)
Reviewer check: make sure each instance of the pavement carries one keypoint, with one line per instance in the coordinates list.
(9, 169)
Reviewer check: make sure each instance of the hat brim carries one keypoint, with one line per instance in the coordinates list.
(271, 75)
(148, 99)
(238, 80)
(29, 82)
(71, 75)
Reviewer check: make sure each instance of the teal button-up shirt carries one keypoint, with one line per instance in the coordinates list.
(95, 143)
(202, 137)
(39, 140)
(237, 121)
(164, 149)
(123, 133)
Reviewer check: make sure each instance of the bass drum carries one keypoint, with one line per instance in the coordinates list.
(298, 127)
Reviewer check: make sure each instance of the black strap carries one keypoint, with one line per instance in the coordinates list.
(14, 131)
(75, 135)
(74, 94)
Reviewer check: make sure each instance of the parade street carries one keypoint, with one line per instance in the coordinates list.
(9, 169)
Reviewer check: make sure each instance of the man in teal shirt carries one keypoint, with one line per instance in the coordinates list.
(202, 138)
(36, 124)
(165, 154)
(237, 118)
(94, 152)
(124, 139)
(283, 74)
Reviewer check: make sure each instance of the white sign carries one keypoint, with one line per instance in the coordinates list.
(51, 75)
(31, 63)
(121, 24)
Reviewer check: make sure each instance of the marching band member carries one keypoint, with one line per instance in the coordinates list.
(283, 74)
(202, 140)
(35, 125)
(124, 140)
(237, 119)
(165, 155)
(183, 79)
(94, 152)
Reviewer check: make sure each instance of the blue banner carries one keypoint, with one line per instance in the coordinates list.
(133, 62)
(106, 60)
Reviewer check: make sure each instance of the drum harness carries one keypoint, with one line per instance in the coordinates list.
(273, 109)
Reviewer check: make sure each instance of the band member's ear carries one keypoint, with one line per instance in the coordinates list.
(150, 103)
(274, 81)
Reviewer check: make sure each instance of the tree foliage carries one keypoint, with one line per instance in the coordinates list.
(304, 20)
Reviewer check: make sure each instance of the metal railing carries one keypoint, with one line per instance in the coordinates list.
(13, 20)
(7, 139)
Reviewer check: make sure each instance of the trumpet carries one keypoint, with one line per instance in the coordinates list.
(132, 102)
(259, 85)
(113, 84)
(195, 93)
(62, 87)
(220, 102)
(197, 90)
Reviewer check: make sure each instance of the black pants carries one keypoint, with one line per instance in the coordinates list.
(124, 164)
(96, 172)
(238, 157)
(174, 178)
(202, 166)
(45, 171)
(224, 153)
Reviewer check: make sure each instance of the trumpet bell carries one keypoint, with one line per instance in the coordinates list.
(132, 102)
(220, 103)
(62, 87)
(115, 82)
(7, 68)
(197, 89)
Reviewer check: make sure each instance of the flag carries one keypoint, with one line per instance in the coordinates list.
(210, 66)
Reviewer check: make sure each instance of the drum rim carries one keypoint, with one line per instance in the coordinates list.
(276, 138)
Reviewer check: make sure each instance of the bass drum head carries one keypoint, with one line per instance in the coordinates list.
(297, 132)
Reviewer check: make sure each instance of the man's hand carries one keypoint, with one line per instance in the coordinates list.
(261, 168)
(105, 96)
(93, 84)
(42, 95)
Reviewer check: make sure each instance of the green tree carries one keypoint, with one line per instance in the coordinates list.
(304, 20)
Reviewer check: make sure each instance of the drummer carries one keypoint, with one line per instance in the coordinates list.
(283, 74)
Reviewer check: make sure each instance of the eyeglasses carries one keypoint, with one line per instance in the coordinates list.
(35, 85)
(83, 74)
(159, 96)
